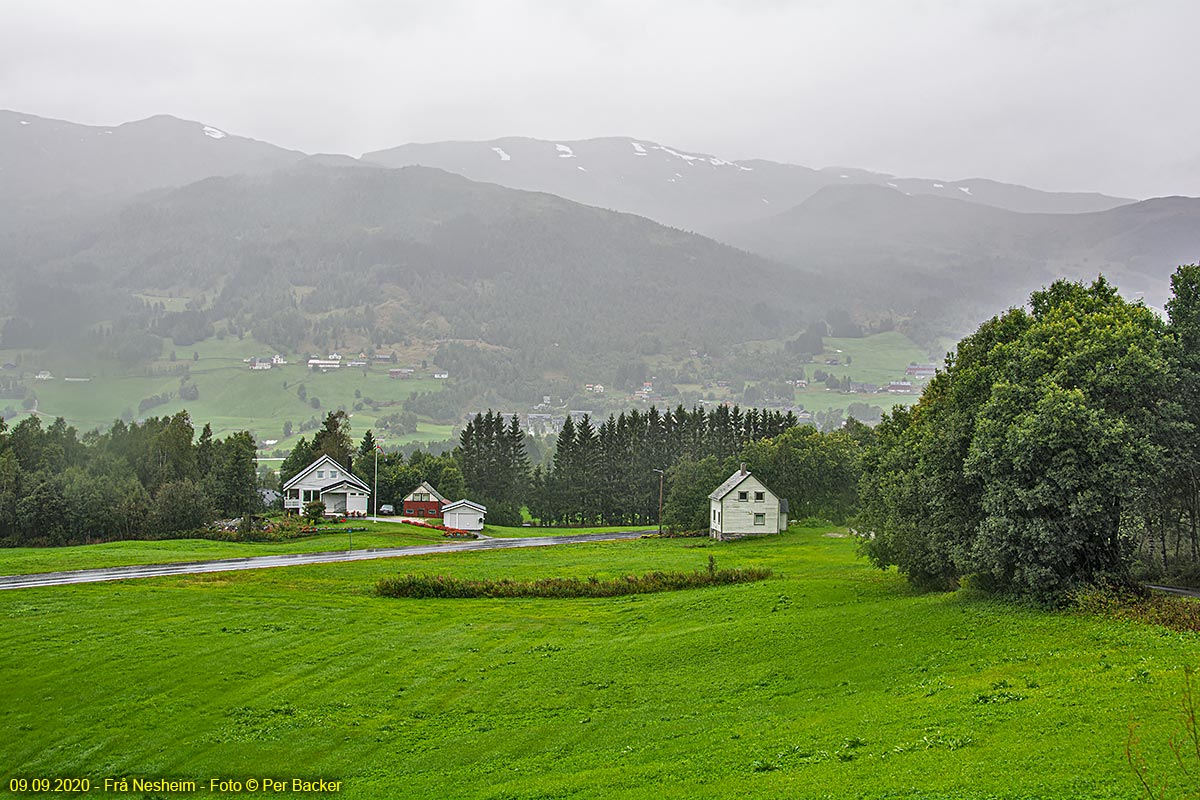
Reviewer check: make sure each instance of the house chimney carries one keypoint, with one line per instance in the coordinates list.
(743, 467)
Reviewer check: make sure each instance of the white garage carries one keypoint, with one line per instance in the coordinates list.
(464, 516)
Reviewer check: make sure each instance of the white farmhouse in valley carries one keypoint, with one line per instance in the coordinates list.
(744, 506)
(464, 515)
(329, 482)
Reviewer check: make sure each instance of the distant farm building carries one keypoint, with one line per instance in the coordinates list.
(899, 387)
(464, 515)
(423, 501)
(744, 506)
(328, 482)
(402, 373)
(324, 364)
(920, 371)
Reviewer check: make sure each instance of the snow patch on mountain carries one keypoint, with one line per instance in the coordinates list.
(965, 189)
(213, 133)
(638, 150)
(23, 122)
(564, 151)
(503, 155)
(677, 154)
(939, 186)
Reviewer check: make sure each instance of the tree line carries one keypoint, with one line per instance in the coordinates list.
(1059, 447)
(141, 480)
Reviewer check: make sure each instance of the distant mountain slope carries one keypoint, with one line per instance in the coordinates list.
(890, 249)
(421, 253)
(50, 167)
(690, 190)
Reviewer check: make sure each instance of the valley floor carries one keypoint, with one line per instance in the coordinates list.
(832, 679)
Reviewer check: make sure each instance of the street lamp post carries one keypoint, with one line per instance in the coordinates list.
(661, 475)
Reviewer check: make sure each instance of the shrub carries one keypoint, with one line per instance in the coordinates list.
(444, 586)
(1169, 611)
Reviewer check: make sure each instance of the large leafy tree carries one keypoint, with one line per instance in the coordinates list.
(1028, 460)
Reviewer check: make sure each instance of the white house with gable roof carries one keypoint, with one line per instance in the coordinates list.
(744, 506)
(342, 492)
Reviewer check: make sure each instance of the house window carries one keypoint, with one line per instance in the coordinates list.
(320, 473)
(760, 519)
(743, 497)
(714, 515)
(760, 497)
(333, 473)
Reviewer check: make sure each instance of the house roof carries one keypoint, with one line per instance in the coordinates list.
(725, 488)
(464, 504)
(731, 483)
(325, 461)
(424, 486)
(340, 483)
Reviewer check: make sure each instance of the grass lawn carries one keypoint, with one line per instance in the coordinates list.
(831, 680)
(25, 560)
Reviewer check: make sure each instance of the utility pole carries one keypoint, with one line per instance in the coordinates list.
(661, 475)
(375, 493)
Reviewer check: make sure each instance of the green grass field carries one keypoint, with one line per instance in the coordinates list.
(25, 560)
(232, 397)
(831, 680)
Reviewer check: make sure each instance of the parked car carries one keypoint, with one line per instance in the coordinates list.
(386, 510)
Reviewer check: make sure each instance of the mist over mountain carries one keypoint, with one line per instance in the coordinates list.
(51, 167)
(693, 191)
(517, 250)
(329, 254)
(950, 257)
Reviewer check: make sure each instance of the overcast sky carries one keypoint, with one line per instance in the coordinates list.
(1095, 95)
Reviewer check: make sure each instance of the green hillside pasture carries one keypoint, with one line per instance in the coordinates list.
(831, 680)
(234, 397)
(876, 359)
(25, 560)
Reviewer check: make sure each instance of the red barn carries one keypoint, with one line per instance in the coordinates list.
(423, 501)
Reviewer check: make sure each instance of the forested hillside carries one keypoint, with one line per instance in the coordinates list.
(354, 257)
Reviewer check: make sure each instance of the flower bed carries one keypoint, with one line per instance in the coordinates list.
(449, 533)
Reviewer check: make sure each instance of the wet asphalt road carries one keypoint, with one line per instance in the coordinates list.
(293, 560)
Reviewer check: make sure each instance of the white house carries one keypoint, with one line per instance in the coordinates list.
(327, 481)
(744, 506)
(464, 515)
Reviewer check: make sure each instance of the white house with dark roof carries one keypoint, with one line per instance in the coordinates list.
(327, 481)
(464, 515)
(744, 506)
